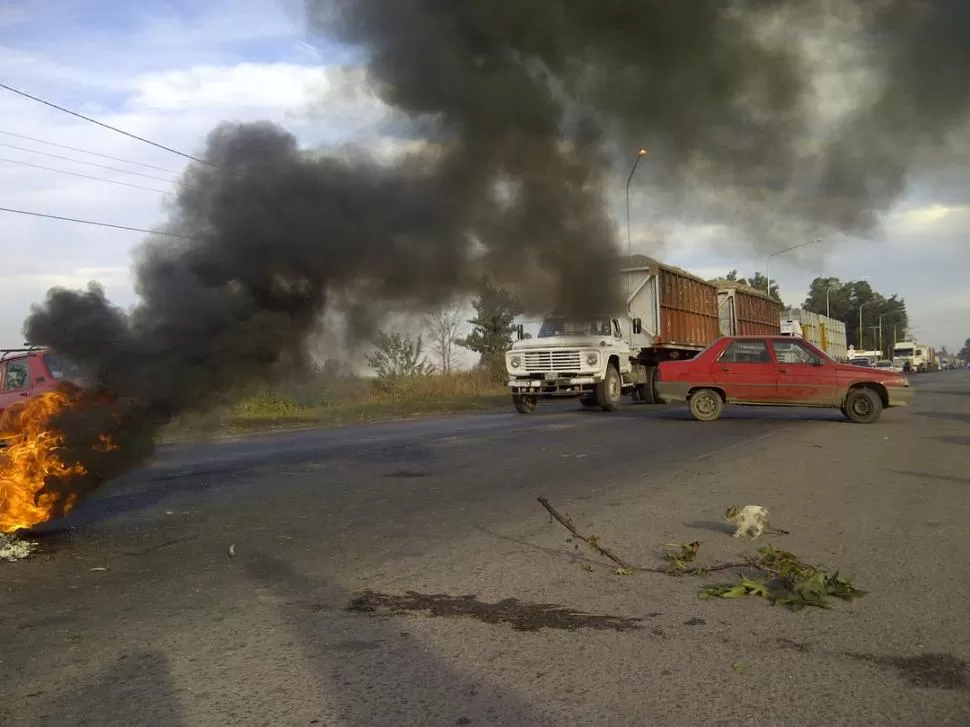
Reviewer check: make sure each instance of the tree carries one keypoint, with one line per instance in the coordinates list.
(844, 302)
(398, 355)
(491, 336)
(756, 281)
(444, 329)
(964, 354)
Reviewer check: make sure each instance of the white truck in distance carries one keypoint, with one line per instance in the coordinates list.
(669, 314)
(915, 353)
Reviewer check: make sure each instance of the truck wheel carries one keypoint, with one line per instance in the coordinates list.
(648, 394)
(862, 406)
(525, 403)
(609, 390)
(589, 402)
(706, 405)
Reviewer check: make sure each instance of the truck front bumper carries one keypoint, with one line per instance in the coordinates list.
(558, 386)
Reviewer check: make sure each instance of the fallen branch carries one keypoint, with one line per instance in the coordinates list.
(590, 540)
(787, 580)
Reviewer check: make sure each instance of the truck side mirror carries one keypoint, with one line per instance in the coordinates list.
(520, 331)
(637, 326)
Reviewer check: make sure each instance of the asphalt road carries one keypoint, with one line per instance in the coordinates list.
(134, 613)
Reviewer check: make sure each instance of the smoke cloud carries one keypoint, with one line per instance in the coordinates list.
(527, 107)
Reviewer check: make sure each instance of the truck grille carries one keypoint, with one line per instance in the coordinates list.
(552, 361)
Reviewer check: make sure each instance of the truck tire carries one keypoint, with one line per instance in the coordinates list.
(647, 392)
(589, 402)
(862, 406)
(525, 403)
(609, 390)
(706, 405)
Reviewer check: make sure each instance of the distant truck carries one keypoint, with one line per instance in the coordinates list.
(670, 315)
(919, 356)
(745, 311)
(826, 333)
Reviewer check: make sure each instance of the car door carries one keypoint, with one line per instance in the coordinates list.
(16, 384)
(804, 376)
(746, 372)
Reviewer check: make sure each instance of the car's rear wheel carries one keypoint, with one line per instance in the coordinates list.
(862, 406)
(706, 405)
(525, 403)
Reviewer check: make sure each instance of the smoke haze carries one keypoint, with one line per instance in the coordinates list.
(529, 106)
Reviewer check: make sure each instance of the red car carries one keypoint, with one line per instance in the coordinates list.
(27, 372)
(777, 371)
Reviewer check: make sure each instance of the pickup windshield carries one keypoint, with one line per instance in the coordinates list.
(562, 327)
(62, 368)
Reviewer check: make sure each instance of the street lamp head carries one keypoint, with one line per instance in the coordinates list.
(642, 152)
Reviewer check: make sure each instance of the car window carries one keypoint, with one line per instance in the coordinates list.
(60, 367)
(746, 352)
(794, 352)
(16, 375)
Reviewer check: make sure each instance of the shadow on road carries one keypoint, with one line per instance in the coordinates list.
(712, 525)
(138, 691)
(375, 672)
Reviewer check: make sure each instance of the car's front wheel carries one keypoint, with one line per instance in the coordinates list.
(706, 405)
(862, 406)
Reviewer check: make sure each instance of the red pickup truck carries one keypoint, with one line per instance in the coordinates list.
(777, 371)
(27, 372)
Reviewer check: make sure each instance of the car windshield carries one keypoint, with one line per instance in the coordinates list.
(563, 327)
(61, 367)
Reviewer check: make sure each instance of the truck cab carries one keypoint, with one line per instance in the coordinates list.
(591, 359)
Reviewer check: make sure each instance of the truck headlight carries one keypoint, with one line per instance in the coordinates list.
(592, 358)
(515, 361)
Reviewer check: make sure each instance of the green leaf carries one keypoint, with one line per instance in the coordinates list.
(741, 666)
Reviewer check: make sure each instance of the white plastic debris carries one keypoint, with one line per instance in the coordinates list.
(12, 549)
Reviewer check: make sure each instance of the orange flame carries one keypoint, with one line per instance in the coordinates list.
(31, 459)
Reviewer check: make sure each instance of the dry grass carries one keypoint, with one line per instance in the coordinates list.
(336, 401)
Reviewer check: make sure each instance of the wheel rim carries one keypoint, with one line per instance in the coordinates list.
(705, 405)
(862, 407)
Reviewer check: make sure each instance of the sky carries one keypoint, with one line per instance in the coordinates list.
(171, 70)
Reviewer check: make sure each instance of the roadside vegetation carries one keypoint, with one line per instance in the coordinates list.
(405, 382)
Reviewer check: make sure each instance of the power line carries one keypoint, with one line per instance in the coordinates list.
(84, 176)
(81, 161)
(109, 127)
(86, 151)
(96, 223)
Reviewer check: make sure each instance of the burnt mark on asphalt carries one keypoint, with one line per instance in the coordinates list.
(517, 614)
(934, 671)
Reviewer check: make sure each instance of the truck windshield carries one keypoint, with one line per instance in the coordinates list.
(62, 368)
(903, 351)
(562, 327)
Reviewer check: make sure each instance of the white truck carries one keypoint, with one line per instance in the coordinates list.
(915, 353)
(826, 333)
(670, 314)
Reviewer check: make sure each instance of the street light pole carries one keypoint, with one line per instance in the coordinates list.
(629, 239)
(779, 252)
(861, 306)
(828, 309)
(900, 309)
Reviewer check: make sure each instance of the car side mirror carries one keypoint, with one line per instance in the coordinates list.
(817, 362)
(637, 326)
(520, 331)
(41, 379)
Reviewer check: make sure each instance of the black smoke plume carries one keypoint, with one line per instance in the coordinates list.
(526, 107)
